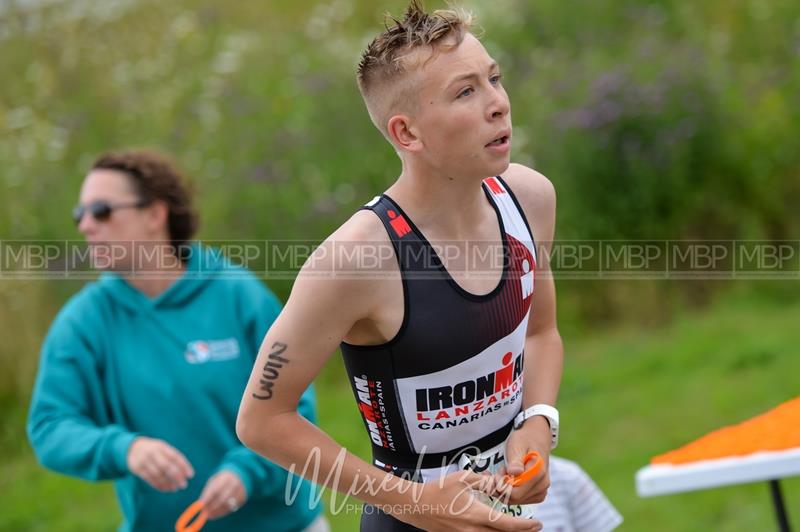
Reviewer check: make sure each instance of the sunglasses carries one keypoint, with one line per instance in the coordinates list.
(101, 210)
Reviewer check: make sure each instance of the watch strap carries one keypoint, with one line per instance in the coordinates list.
(548, 412)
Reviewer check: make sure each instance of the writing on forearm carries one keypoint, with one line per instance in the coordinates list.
(271, 372)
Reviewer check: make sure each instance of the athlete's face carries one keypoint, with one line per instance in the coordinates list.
(464, 116)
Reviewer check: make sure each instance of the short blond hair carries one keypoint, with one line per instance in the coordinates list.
(385, 78)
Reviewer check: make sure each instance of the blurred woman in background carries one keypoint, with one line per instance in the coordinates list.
(142, 371)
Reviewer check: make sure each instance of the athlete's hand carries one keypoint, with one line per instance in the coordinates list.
(534, 435)
(159, 464)
(449, 504)
(223, 493)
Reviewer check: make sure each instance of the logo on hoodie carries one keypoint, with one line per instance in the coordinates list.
(202, 351)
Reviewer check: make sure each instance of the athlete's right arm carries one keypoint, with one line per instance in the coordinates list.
(324, 305)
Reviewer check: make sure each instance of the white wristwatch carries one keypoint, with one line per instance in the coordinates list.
(548, 412)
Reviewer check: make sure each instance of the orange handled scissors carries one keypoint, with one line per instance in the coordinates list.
(196, 511)
(532, 471)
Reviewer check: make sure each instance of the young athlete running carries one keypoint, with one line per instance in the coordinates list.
(450, 345)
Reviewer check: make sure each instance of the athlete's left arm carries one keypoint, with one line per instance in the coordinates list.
(544, 351)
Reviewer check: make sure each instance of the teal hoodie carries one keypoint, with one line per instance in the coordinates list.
(117, 364)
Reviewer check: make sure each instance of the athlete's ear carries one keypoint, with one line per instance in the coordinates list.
(402, 134)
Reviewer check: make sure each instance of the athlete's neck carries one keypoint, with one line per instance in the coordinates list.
(455, 207)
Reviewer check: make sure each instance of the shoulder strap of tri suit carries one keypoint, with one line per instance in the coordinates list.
(405, 238)
(392, 217)
(514, 219)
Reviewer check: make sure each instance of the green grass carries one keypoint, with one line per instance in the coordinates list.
(627, 395)
(631, 394)
(37, 500)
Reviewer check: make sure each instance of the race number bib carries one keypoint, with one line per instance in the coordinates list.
(492, 461)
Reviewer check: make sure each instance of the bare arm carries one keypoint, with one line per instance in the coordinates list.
(544, 351)
(319, 313)
(543, 347)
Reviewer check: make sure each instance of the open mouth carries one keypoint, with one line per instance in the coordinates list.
(499, 141)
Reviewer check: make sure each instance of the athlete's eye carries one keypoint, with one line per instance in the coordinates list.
(496, 79)
(465, 92)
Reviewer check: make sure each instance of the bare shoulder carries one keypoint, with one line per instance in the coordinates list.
(530, 186)
(360, 246)
(363, 226)
(537, 197)
(352, 272)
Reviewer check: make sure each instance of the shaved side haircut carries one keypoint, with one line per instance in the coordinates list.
(389, 68)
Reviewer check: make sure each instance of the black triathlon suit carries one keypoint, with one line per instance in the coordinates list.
(450, 382)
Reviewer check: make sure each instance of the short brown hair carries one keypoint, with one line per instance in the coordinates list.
(384, 62)
(155, 177)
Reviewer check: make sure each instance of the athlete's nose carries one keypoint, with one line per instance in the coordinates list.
(500, 106)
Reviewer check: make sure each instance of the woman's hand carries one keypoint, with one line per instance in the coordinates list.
(159, 464)
(224, 493)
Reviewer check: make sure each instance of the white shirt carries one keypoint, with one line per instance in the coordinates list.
(574, 503)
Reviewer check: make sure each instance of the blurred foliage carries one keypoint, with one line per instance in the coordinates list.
(662, 119)
(659, 120)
